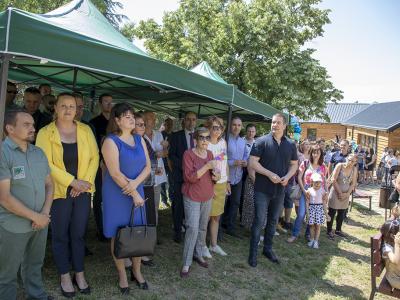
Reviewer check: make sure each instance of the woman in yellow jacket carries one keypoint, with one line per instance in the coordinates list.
(72, 152)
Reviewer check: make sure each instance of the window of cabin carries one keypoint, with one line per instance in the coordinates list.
(312, 134)
(367, 141)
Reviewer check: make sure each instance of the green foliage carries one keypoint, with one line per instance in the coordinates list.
(257, 45)
(107, 7)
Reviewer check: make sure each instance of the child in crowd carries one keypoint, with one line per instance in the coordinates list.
(317, 200)
(391, 251)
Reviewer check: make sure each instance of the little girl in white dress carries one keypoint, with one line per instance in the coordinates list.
(317, 199)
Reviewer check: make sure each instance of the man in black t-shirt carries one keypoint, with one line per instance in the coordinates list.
(274, 158)
(100, 125)
(339, 156)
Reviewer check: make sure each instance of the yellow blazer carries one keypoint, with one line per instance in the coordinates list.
(48, 139)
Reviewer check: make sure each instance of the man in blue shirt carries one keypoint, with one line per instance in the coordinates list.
(274, 158)
(237, 160)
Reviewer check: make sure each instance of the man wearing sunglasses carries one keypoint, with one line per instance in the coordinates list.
(10, 96)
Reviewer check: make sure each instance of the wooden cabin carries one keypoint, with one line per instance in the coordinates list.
(377, 126)
(332, 129)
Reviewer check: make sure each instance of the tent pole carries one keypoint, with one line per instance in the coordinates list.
(228, 123)
(74, 80)
(5, 60)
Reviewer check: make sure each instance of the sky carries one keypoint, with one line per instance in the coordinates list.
(360, 48)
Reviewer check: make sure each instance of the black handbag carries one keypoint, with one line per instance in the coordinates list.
(135, 240)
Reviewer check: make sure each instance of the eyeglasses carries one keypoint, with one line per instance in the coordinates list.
(204, 138)
(215, 128)
(12, 92)
(140, 125)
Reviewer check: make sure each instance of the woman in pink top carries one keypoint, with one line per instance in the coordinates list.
(198, 190)
(314, 165)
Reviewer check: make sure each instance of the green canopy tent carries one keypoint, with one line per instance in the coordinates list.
(75, 48)
(247, 103)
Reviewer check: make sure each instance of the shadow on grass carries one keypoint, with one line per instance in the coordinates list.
(304, 273)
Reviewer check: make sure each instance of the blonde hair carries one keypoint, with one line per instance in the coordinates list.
(209, 123)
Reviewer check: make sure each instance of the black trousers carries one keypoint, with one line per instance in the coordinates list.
(177, 207)
(341, 213)
(69, 218)
(98, 203)
(232, 205)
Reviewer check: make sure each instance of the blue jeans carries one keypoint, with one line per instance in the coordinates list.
(265, 206)
(301, 213)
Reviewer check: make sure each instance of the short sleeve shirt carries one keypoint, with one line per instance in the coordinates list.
(27, 172)
(275, 158)
(338, 157)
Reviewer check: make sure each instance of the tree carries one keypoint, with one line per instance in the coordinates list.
(107, 7)
(258, 45)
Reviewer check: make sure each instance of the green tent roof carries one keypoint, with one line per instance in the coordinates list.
(205, 70)
(74, 47)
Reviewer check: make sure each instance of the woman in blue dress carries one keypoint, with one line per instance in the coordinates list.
(127, 166)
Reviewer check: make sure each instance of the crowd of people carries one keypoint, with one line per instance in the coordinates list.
(54, 163)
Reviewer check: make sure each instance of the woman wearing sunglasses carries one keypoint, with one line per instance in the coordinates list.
(199, 172)
(222, 188)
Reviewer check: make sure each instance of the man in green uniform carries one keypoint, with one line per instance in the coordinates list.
(26, 195)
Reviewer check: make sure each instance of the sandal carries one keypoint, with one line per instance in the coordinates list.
(331, 235)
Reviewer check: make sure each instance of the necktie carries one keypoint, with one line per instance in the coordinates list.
(191, 140)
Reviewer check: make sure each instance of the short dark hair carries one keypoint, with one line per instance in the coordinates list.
(104, 95)
(43, 85)
(281, 115)
(11, 83)
(32, 90)
(118, 111)
(250, 126)
(236, 118)
(188, 113)
(138, 115)
(77, 95)
(320, 140)
(10, 117)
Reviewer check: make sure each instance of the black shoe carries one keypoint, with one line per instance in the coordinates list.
(67, 294)
(271, 256)
(88, 252)
(148, 263)
(50, 298)
(234, 234)
(141, 285)
(177, 238)
(287, 226)
(340, 233)
(85, 291)
(124, 291)
(252, 261)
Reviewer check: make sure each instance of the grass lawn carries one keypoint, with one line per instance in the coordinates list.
(340, 269)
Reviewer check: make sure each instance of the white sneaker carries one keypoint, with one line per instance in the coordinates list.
(217, 249)
(261, 238)
(206, 253)
(310, 243)
(276, 233)
(316, 245)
